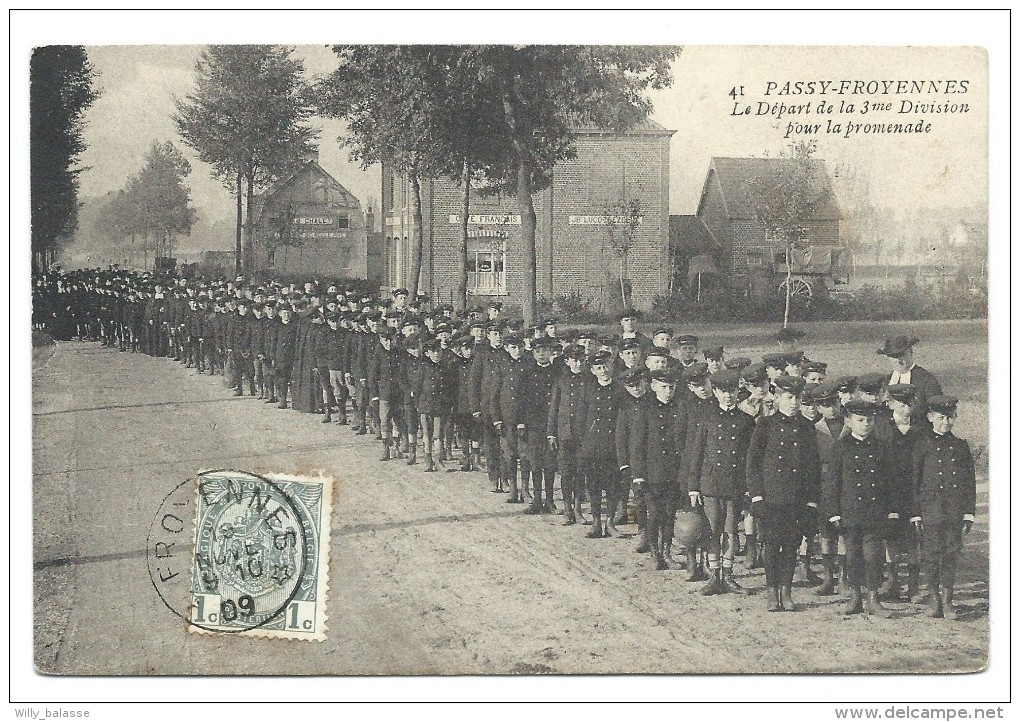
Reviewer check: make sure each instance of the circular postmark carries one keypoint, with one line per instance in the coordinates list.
(241, 562)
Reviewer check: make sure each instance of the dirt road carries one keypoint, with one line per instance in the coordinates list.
(429, 573)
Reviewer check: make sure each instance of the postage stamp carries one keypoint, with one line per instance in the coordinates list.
(261, 555)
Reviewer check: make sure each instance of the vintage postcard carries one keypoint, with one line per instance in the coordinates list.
(510, 360)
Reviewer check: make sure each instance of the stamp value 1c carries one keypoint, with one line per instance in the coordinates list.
(261, 560)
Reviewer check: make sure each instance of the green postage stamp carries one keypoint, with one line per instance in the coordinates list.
(261, 560)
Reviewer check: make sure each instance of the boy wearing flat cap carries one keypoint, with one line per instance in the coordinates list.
(858, 499)
(629, 320)
(635, 382)
(945, 496)
(565, 428)
(717, 468)
(783, 478)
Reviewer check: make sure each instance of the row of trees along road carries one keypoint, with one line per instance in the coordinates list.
(62, 88)
(502, 114)
(498, 115)
(155, 204)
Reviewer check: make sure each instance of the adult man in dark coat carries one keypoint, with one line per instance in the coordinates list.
(283, 356)
(783, 479)
(900, 349)
(241, 344)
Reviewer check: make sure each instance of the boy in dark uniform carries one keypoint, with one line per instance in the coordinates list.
(945, 492)
(598, 450)
(783, 475)
(635, 382)
(699, 404)
(858, 499)
(828, 428)
(482, 382)
(540, 376)
(508, 412)
(655, 445)
(384, 387)
(717, 468)
(565, 429)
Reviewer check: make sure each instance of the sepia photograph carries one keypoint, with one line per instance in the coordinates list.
(403, 359)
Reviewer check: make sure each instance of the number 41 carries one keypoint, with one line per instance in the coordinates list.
(736, 92)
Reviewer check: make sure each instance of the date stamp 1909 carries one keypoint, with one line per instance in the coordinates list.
(260, 559)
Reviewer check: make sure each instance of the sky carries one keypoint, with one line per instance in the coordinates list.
(945, 167)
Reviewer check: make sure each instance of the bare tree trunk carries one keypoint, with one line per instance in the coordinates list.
(623, 286)
(419, 234)
(249, 229)
(238, 249)
(528, 223)
(460, 302)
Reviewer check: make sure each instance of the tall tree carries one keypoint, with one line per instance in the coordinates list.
(538, 94)
(784, 200)
(62, 88)
(164, 197)
(248, 118)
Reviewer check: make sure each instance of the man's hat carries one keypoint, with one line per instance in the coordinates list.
(846, 384)
(825, 393)
(657, 351)
(903, 393)
(550, 322)
(663, 329)
(696, 372)
(816, 367)
(590, 335)
(791, 384)
(629, 313)
(897, 345)
(774, 360)
(754, 373)
(431, 344)
(634, 376)
(545, 342)
(862, 408)
(807, 394)
(667, 375)
(610, 341)
(629, 343)
(794, 358)
(574, 352)
(737, 364)
(496, 305)
(687, 340)
(726, 379)
(513, 339)
(872, 383)
(602, 358)
(713, 352)
(943, 404)
(789, 335)
(444, 328)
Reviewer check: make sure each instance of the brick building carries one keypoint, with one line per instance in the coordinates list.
(309, 224)
(581, 216)
(727, 207)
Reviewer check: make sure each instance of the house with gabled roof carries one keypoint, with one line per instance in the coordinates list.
(309, 224)
(727, 207)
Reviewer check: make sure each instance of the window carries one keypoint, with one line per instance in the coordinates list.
(343, 221)
(271, 261)
(755, 259)
(486, 266)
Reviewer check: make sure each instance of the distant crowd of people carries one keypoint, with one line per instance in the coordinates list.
(713, 457)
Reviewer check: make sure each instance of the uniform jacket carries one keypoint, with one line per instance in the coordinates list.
(827, 439)
(462, 368)
(566, 405)
(601, 405)
(717, 462)
(858, 485)
(945, 488)
(270, 334)
(510, 390)
(320, 345)
(783, 467)
(286, 345)
(901, 454)
(410, 371)
(485, 381)
(431, 393)
(384, 375)
(698, 411)
(657, 439)
(538, 386)
(626, 419)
